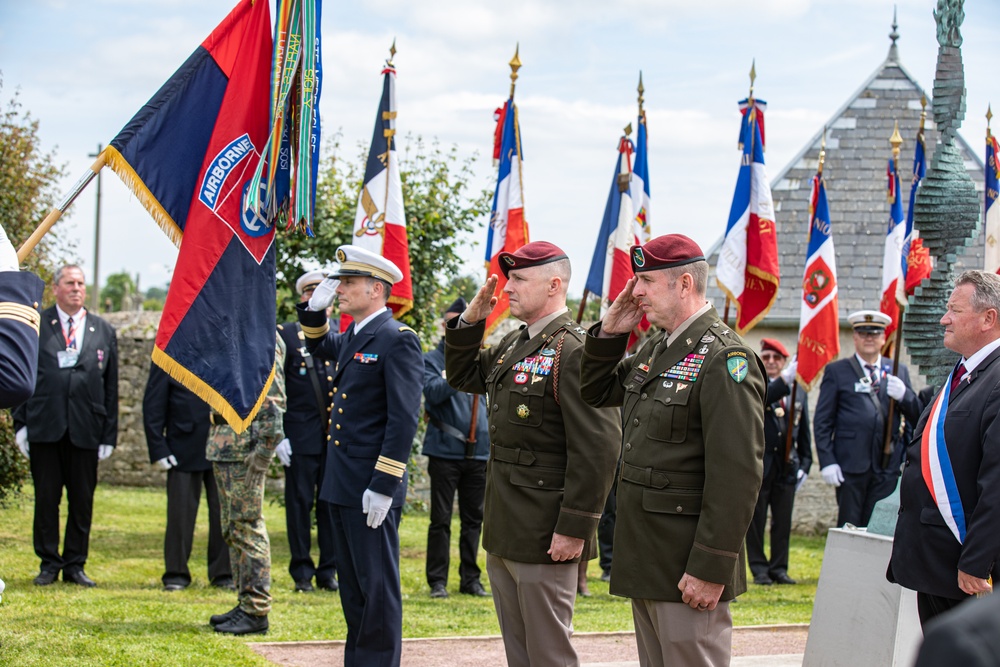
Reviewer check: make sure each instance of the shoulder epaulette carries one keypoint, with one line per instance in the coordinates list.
(410, 329)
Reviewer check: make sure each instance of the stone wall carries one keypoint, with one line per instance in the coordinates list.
(815, 504)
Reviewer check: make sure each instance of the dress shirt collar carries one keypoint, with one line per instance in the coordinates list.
(538, 326)
(981, 353)
(358, 326)
(676, 333)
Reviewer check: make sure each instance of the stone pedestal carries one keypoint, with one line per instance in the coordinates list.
(859, 618)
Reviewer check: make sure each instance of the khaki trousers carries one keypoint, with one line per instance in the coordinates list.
(672, 634)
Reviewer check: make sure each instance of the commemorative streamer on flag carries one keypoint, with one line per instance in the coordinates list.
(189, 155)
(819, 326)
(893, 257)
(992, 210)
(611, 267)
(747, 271)
(380, 222)
(284, 182)
(917, 265)
(508, 228)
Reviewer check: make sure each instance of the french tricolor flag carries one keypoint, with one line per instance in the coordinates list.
(508, 229)
(893, 257)
(611, 267)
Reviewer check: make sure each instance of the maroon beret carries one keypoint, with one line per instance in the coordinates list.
(773, 345)
(531, 254)
(665, 252)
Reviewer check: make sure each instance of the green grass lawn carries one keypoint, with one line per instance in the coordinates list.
(129, 620)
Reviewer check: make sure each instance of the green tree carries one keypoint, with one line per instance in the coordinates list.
(28, 188)
(116, 288)
(442, 208)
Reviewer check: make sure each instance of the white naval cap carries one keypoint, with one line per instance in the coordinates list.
(309, 279)
(356, 261)
(869, 320)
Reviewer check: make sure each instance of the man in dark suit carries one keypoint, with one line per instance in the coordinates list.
(849, 425)
(309, 389)
(947, 540)
(784, 471)
(376, 403)
(552, 456)
(456, 462)
(176, 422)
(968, 636)
(692, 402)
(20, 293)
(69, 424)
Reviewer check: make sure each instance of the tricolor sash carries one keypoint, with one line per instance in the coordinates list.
(935, 464)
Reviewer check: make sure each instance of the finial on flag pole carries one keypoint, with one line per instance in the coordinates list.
(628, 130)
(515, 64)
(989, 117)
(641, 90)
(753, 77)
(392, 53)
(896, 140)
(822, 151)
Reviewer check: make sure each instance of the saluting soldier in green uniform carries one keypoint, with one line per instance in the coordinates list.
(693, 415)
(552, 457)
(240, 463)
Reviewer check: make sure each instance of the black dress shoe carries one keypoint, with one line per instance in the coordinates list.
(219, 619)
(439, 591)
(45, 578)
(784, 579)
(225, 582)
(243, 623)
(328, 584)
(79, 578)
(304, 586)
(474, 588)
(762, 580)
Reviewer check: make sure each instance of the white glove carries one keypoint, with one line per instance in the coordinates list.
(284, 452)
(832, 474)
(324, 294)
(800, 479)
(788, 372)
(104, 451)
(376, 506)
(21, 438)
(895, 387)
(8, 256)
(168, 462)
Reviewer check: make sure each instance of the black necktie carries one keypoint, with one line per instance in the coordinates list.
(524, 337)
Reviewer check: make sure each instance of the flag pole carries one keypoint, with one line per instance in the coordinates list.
(750, 119)
(896, 140)
(388, 134)
(56, 213)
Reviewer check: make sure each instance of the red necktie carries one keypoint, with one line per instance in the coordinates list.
(957, 376)
(71, 336)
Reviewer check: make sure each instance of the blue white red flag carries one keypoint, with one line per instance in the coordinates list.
(935, 465)
(508, 229)
(992, 210)
(748, 270)
(760, 106)
(611, 267)
(819, 326)
(893, 258)
(380, 223)
(189, 155)
(639, 184)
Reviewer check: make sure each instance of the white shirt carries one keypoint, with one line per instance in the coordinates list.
(79, 321)
(977, 358)
(360, 325)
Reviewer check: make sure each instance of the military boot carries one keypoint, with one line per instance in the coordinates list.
(243, 623)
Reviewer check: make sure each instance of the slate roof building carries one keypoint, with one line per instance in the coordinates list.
(857, 151)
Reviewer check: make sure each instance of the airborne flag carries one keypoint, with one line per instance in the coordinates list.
(189, 155)
(380, 223)
(747, 271)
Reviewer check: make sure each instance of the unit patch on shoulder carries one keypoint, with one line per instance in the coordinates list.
(737, 365)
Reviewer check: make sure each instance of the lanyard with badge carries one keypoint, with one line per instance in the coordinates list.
(69, 357)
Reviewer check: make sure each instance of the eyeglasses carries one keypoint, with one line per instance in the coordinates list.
(771, 356)
(868, 334)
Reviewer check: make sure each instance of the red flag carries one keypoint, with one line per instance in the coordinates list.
(919, 262)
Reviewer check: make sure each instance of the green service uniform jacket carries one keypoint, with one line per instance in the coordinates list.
(693, 418)
(551, 462)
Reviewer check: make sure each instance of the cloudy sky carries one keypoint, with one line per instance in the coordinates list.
(84, 68)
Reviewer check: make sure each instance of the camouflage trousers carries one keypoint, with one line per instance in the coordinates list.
(244, 531)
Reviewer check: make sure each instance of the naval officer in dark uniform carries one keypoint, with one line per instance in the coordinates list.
(20, 294)
(309, 391)
(693, 409)
(552, 457)
(377, 377)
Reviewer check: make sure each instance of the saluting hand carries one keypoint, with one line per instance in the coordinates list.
(624, 314)
(483, 303)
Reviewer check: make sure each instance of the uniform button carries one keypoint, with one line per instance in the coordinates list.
(495, 407)
(331, 408)
(335, 389)
(493, 429)
(328, 438)
(524, 390)
(337, 442)
(635, 422)
(327, 363)
(644, 396)
(329, 378)
(330, 394)
(499, 386)
(343, 395)
(338, 427)
(679, 508)
(628, 446)
(666, 401)
(340, 411)
(541, 483)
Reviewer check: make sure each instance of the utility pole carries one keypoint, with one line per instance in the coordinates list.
(95, 298)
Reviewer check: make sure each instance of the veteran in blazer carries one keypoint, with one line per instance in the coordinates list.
(377, 377)
(552, 456)
(69, 424)
(849, 424)
(309, 387)
(947, 544)
(692, 403)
